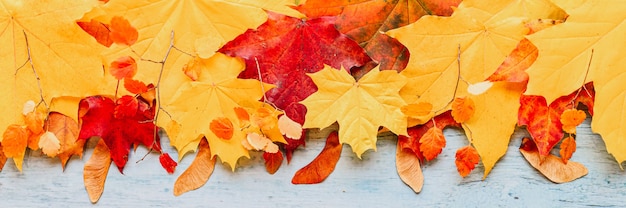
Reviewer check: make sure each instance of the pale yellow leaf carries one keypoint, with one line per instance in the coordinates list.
(289, 128)
(49, 144)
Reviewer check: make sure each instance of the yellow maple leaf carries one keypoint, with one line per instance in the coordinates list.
(360, 107)
(62, 55)
(587, 47)
(216, 94)
(200, 28)
(468, 47)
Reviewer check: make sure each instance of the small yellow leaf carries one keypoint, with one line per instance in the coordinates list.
(96, 170)
(49, 144)
(257, 141)
(289, 128)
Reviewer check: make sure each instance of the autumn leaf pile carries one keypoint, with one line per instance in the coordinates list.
(224, 78)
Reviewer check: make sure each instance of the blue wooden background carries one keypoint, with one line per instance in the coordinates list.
(369, 182)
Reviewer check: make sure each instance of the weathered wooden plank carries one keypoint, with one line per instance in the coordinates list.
(368, 182)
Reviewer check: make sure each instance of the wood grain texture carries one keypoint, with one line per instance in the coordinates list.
(369, 182)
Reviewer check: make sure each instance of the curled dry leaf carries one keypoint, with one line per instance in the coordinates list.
(122, 32)
(552, 167)
(222, 127)
(462, 109)
(168, 164)
(126, 107)
(571, 118)
(198, 173)
(49, 144)
(568, 147)
(323, 165)
(96, 170)
(98, 30)
(466, 159)
(14, 142)
(123, 67)
(289, 128)
(66, 130)
(409, 169)
(432, 143)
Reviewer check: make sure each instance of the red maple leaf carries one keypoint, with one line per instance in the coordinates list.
(120, 131)
(415, 133)
(365, 21)
(288, 48)
(543, 121)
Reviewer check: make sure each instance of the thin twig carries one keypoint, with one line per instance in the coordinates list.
(32, 66)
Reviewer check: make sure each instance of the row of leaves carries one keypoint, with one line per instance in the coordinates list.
(310, 68)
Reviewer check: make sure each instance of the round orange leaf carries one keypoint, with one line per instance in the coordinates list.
(222, 127)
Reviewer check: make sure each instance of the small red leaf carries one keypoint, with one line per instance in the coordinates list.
(323, 165)
(273, 161)
(123, 67)
(126, 107)
(466, 159)
(168, 164)
(122, 32)
(98, 30)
